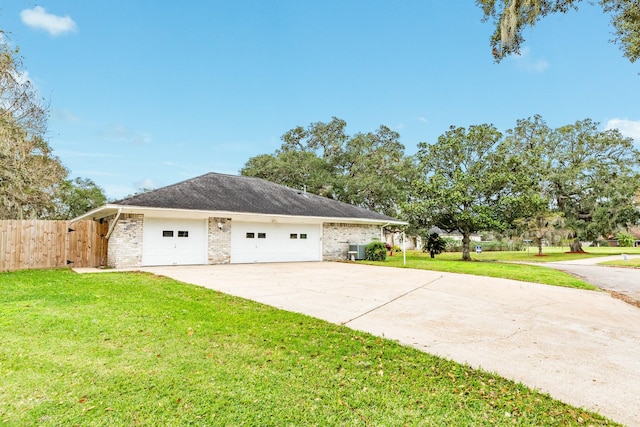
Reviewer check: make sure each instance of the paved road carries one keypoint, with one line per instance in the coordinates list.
(625, 281)
(582, 347)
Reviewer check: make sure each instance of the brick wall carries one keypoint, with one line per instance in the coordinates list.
(336, 238)
(219, 241)
(125, 242)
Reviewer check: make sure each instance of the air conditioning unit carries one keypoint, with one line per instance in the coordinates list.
(359, 251)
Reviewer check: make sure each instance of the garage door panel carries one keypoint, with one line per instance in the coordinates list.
(265, 242)
(174, 241)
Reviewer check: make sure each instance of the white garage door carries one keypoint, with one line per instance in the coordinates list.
(267, 242)
(174, 241)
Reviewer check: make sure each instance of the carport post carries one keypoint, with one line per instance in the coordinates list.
(404, 248)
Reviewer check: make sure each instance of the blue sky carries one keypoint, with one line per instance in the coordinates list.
(148, 93)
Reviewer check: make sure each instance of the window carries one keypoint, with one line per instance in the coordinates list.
(183, 234)
(167, 233)
(293, 236)
(262, 235)
(303, 236)
(251, 235)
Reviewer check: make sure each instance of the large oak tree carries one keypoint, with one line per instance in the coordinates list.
(33, 181)
(587, 175)
(469, 183)
(366, 169)
(30, 174)
(511, 17)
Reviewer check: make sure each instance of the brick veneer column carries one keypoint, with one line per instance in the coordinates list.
(125, 243)
(219, 241)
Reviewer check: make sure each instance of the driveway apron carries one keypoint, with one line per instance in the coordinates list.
(582, 347)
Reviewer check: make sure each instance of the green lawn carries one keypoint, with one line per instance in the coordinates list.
(550, 254)
(633, 263)
(492, 264)
(134, 349)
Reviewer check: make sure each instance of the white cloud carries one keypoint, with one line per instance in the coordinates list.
(525, 61)
(147, 184)
(628, 128)
(67, 153)
(39, 19)
(22, 77)
(117, 192)
(422, 119)
(121, 133)
(65, 116)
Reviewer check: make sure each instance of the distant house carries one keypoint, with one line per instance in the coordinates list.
(415, 242)
(220, 219)
(455, 235)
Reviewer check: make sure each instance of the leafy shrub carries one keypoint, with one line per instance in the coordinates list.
(434, 244)
(376, 251)
(396, 248)
(625, 240)
(455, 245)
(498, 246)
(452, 245)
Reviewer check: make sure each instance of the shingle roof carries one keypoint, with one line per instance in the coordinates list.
(232, 193)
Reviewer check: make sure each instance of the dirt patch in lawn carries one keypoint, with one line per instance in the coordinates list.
(624, 297)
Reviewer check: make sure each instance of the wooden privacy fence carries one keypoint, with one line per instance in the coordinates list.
(46, 244)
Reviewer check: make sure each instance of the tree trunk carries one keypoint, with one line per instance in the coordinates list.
(540, 247)
(576, 246)
(466, 256)
(433, 255)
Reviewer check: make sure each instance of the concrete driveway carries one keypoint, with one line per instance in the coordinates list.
(623, 281)
(582, 347)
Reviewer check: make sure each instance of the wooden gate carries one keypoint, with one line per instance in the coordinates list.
(46, 244)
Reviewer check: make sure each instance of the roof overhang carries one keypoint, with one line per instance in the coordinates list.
(113, 209)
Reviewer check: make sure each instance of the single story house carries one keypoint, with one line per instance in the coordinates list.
(220, 219)
(455, 235)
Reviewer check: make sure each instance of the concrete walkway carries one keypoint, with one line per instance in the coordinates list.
(582, 347)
